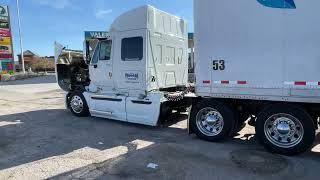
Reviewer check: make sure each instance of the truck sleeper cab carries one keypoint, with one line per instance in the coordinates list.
(143, 57)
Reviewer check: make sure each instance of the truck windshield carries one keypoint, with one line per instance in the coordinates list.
(95, 57)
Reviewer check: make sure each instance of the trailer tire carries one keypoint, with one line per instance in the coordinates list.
(78, 104)
(285, 129)
(212, 120)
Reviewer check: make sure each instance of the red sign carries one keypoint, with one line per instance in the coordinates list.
(5, 33)
(5, 56)
(9, 66)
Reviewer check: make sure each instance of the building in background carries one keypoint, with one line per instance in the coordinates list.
(29, 57)
(34, 62)
(6, 48)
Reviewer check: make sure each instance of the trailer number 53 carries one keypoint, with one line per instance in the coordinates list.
(219, 65)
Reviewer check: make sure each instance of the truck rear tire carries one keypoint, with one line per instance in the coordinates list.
(78, 104)
(285, 129)
(212, 120)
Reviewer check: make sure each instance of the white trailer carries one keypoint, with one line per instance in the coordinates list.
(257, 59)
(131, 71)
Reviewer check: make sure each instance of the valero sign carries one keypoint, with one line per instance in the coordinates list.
(89, 35)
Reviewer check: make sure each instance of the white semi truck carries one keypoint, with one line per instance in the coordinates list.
(255, 60)
(142, 60)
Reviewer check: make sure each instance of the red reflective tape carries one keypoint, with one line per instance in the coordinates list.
(206, 82)
(242, 82)
(300, 83)
(225, 82)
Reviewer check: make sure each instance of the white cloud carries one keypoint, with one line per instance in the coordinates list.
(102, 13)
(58, 4)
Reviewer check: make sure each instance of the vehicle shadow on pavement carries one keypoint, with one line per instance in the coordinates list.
(39, 137)
(31, 136)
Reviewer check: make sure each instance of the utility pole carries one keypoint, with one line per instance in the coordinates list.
(20, 34)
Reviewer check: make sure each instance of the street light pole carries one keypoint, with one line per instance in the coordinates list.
(20, 34)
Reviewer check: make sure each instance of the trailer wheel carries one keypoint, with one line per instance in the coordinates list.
(78, 105)
(285, 129)
(211, 120)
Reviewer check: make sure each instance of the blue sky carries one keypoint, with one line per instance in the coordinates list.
(46, 21)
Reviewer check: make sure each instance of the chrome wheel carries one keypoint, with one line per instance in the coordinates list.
(76, 104)
(209, 121)
(283, 130)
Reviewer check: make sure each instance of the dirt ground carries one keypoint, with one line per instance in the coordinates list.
(39, 139)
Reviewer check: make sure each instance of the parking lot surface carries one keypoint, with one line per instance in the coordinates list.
(40, 139)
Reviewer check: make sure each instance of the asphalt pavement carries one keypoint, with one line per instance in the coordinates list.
(40, 139)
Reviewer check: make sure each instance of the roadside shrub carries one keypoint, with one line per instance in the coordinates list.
(40, 65)
(5, 77)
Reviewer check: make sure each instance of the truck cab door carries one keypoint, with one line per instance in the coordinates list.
(130, 71)
(103, 103)
(130, 68)
(101, 66)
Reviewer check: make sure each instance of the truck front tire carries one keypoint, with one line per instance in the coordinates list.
(285, 129)
(78, 104)
(211, 120)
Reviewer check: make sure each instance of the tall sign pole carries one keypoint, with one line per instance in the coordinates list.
(20, 34)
